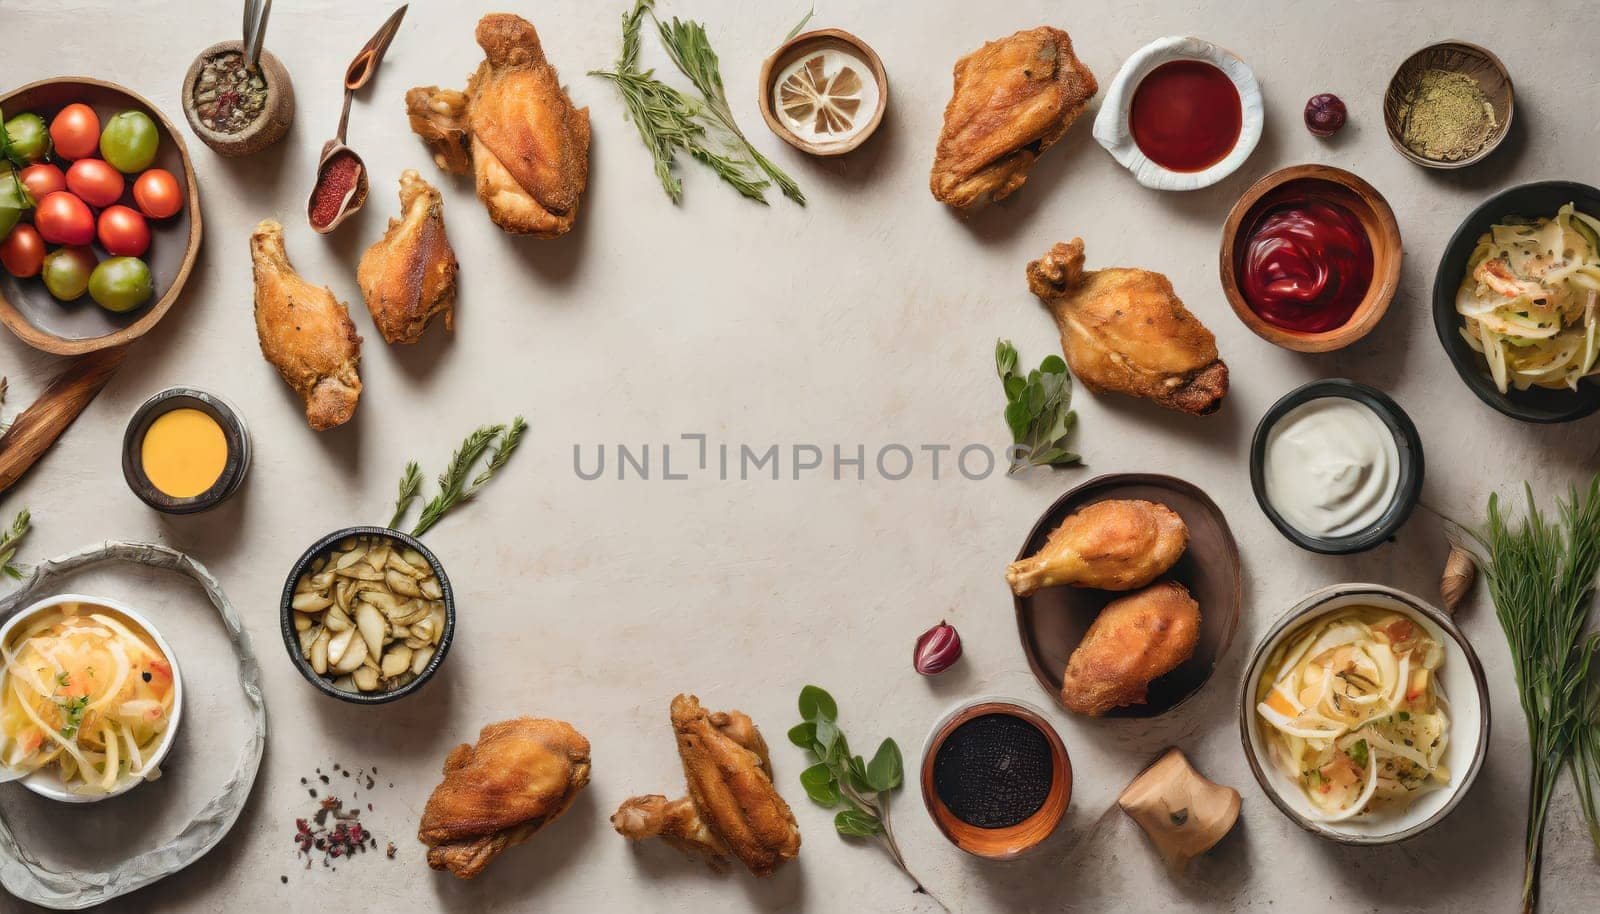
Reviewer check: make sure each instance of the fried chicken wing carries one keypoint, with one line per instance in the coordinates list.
(520, 777)
(732, 810)
(676, 822)
(1121, 544)
(1135, 639)
(409, 275)
(1013, 99)
(305, 332)
(526, 142)
(1125, 330)
(439, 116)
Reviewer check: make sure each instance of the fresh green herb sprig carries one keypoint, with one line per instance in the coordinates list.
(802, 23)
(670, 122)
(457, 484)
(690, 49)
(9, 542)
(1542, 577)
(1038, 409)
(410, 488)
(838, 778)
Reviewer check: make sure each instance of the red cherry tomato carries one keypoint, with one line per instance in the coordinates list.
(62, 218)
(22, 252)
(123, 232)
(76, 132)
(95, 182)
(42, 180)
(158, 194)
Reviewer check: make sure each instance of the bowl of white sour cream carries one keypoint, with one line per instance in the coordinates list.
(1336, 466)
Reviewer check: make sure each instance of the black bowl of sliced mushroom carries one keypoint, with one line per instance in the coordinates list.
(368, 615)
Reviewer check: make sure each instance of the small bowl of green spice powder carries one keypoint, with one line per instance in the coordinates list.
(1449, 105)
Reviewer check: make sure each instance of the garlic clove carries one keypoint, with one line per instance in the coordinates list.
(371, 624)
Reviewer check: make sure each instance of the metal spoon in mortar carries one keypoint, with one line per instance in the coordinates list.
(341, 188)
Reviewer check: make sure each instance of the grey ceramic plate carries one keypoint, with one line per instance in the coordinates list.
(1052, 621)
(195, 804)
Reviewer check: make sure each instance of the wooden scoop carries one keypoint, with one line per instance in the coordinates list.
(358, 74)
(1184, 814)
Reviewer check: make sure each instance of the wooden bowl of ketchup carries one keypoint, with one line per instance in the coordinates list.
(1310, 258)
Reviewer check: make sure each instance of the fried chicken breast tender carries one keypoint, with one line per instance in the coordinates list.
(527, 145)
(1125, 330)
(521, 776)
(1013, 99)
(1120, 544)
(409, 275)
(1134, 640)
(305, 332)
(732, 810)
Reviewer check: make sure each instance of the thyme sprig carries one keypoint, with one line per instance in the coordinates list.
(458, 484)
(1542, 576)
(9, 542)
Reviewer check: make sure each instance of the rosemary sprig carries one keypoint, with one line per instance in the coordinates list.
(410, 487)
(457, 484)
(670, 122)
(690, 49)
(1542, 576)
(9, 541)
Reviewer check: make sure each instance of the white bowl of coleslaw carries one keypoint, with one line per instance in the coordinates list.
(109, 717)
(1459, 683)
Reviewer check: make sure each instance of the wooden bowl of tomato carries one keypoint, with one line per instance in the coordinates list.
(83, 210)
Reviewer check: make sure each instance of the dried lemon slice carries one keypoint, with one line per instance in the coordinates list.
(828, 102)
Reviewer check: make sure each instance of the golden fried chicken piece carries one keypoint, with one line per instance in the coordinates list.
(305, 333)
(1125, 330)
(520, 777)
(1013, 99)
(676, 822)
(526, 142)
(733, 790)
(439, 116)
(732, 808)
(1122, 544)
(1135, 639)
(409, 275)
(530, 146)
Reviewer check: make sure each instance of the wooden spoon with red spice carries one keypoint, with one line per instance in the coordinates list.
(341, 188)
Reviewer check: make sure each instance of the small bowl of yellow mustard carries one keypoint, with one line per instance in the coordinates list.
(185, 451)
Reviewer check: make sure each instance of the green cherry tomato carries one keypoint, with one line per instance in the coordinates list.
(66, 272)
(120, 284)
(129, 141)
(28, 138)
(13, 202)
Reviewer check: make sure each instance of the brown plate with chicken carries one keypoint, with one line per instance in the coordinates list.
(1080, 598)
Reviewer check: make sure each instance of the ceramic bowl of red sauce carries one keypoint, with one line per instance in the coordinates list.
(1181, 114)
(1310, 258)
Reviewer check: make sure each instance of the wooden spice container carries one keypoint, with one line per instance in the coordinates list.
(268, 127)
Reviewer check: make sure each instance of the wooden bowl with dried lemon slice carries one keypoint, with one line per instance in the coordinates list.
(824, 92)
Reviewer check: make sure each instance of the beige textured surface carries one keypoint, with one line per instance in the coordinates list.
(867, 317)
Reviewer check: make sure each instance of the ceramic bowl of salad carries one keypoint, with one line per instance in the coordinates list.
(1364, 714)
(1516, 301)
(92, 698)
